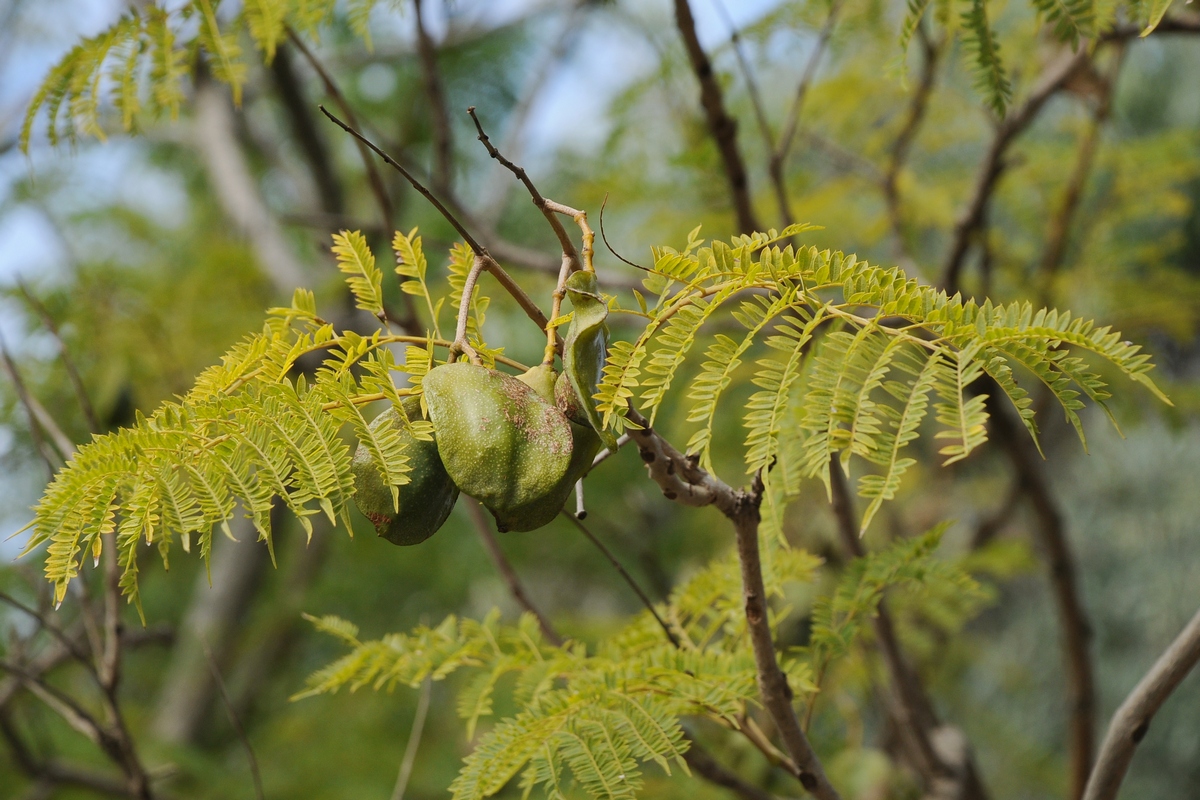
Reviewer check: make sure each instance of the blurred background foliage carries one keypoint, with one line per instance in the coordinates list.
(131, 249)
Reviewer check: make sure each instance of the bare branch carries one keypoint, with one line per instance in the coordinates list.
(1179, 21)
(72, 647)
(624, 575)
(515, 588)
(52, 772)
(760, 112)
(721, 125)
(527, 305)
(414, 741)
(563, 41)
(443, 145)
(40, 420)
(1132, 720)
(772, 683)
(605, 454)
(304, 129)
(233, 719)
(1054, 78)
(1060, 563)
(460, 344)
(81, 393)
(918, 104)
(378, 189)
(564, 240)
(1060, 223)
(911, 706)
(235, 188)
(716, 773)
(778, 160)
(61, 703)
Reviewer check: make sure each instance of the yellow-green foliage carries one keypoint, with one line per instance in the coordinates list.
(594, 714)
(598, 714)
(874, 348)
(143, 60)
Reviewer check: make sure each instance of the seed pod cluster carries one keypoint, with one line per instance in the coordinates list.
(498, 438)
(518, 445)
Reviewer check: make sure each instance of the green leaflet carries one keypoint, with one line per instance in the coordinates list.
(586, 347)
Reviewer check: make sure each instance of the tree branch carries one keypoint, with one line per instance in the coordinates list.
(515, 588)
(1076, 629)
(312, 145)
(620, 568)
(81, 393)
(543, 205)
(495, 190)
(722, 126)
(40, 420)
(1054, 78)
(443, 145)
(911, 706)
(716, 773)
(778, 159)
(772, 683)
(523, 300)
(1060, 223)
(902, 146)
(374, 179)
(233, 719)
(1132, 720)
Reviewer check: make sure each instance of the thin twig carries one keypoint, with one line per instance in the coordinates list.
(57, 632)
(603, 236)
(81, 394)
(1060, 222)
(902, 146)
(414, 741)
(1054, 78)
(716, 773)
(233, 718)
(460, 343)
(52, 772)
(624, 573)
(495, 192)
(313, 147)
(776, 167)
(721, 125)
(911, 707)
(760, 111)
(484, 529)
(1132, 720)
(61, 703)
(38, 417)
(543, 204)
(523, 300)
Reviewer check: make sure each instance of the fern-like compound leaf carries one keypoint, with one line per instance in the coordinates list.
(979, 39)
(357, 263)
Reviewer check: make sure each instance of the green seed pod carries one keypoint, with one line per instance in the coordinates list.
(586, 348)
(500, 441)
(541, 380)
(541, 512)
(568, 402)
(425, 501)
